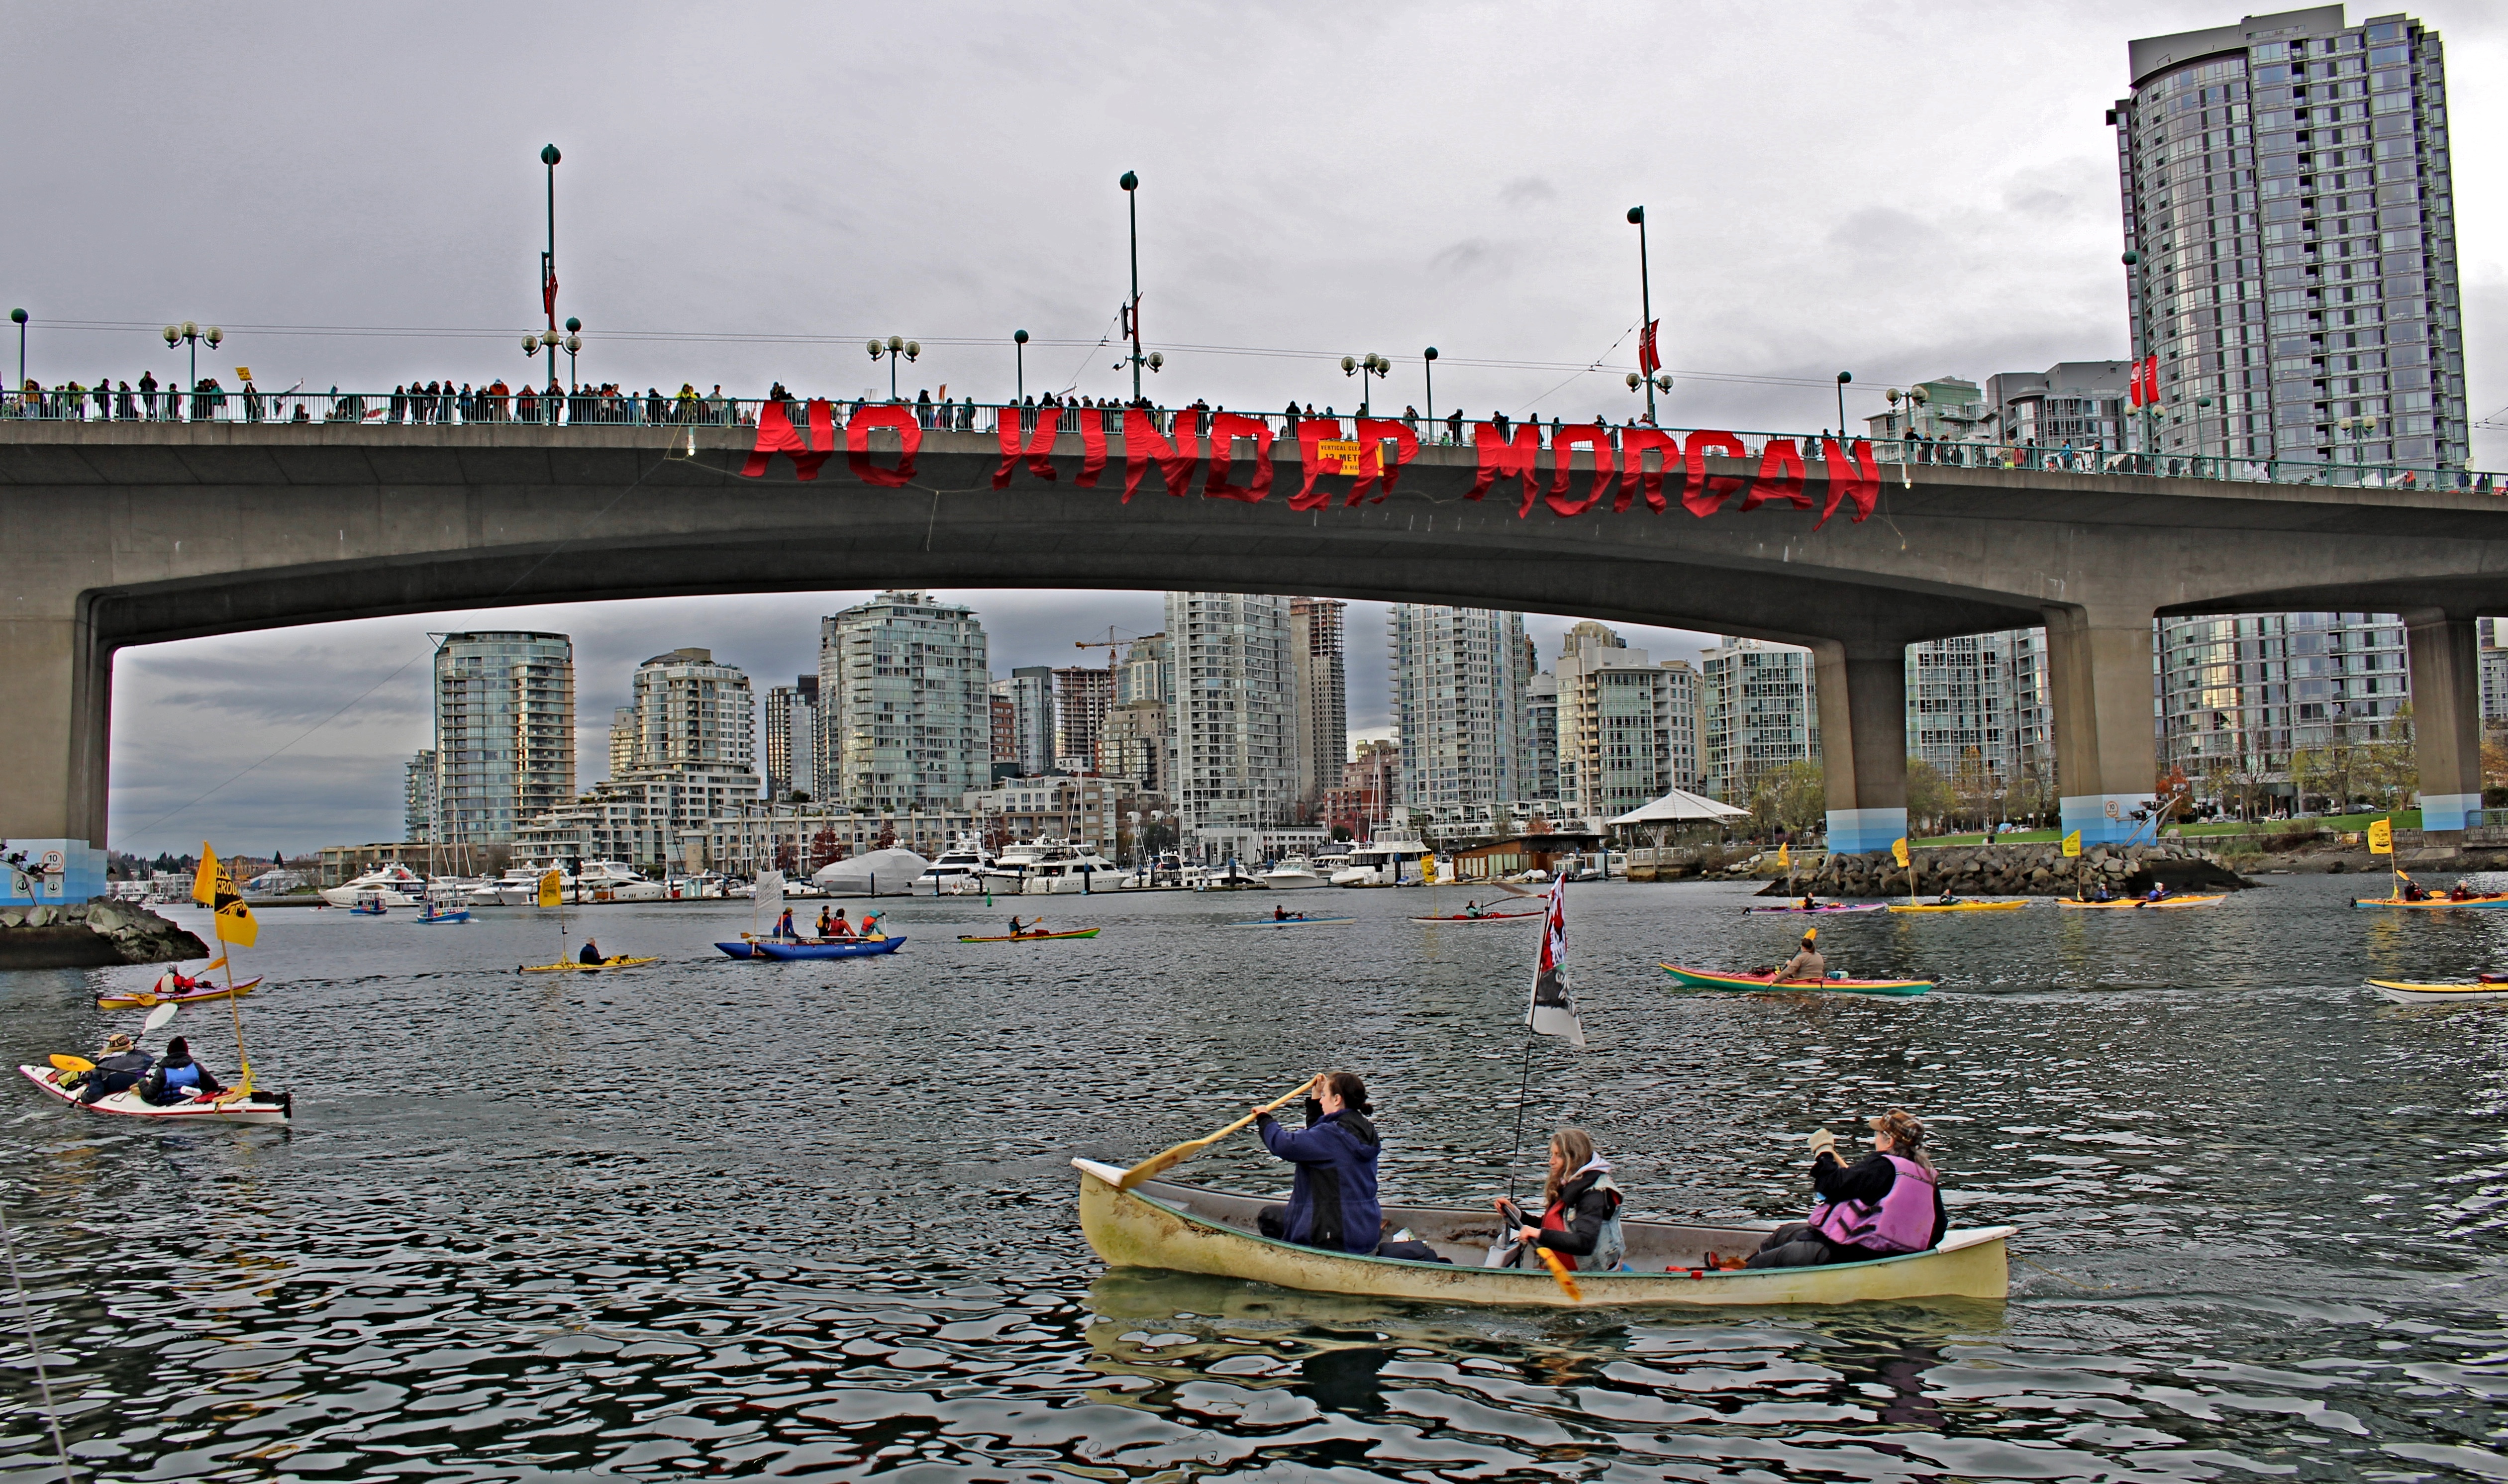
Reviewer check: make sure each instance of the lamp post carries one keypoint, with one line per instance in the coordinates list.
(548, 264)
(1645, 305)
(1659, 382)
(574, 345)
(1843, 377)
(190, 334)
(1131, 184)
(893, 348)
(2142, 324)
(1428, 369)
(1364, 366)
(1018, 349)
(17, 316)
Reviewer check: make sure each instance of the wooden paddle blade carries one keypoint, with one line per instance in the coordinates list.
(66, 1063)
(1559, 1271)
(1167, 1158)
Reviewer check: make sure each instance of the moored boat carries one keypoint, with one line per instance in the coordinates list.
(2165, 903)
(234, 1107)
(1766, 984)
(149, 999)
(391, 885)
(2408, 992)
(1292, 873)
(1193, 1229)
(784, 948)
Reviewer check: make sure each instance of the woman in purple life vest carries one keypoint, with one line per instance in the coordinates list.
(1887, 1202)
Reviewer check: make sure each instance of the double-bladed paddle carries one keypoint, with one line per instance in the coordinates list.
(1167, 1158)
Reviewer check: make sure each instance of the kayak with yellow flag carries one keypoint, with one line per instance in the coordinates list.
(552, 893)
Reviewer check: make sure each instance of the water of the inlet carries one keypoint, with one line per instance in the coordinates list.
(716, 1218)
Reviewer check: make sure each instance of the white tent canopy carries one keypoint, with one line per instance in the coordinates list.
(1678, 807)
(891, 871)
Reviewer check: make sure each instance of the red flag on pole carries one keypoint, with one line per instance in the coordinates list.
(1649, 360)
(1553, 1012)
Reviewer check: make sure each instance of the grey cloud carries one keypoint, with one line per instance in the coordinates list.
(1526, 190)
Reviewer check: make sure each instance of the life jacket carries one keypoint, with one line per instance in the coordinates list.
(184, 1074)
(1901, 1222)
(1610, 1244)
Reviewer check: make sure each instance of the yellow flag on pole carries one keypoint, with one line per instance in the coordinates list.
(205, 881)
(551, 893)
(1785, 856)
(2073, 843)
(2382, 836)
(1899, 850)
(235, 926)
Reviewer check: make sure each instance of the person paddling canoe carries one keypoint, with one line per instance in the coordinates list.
(1807, 966)
(1887, 1202)
(1332, 1201)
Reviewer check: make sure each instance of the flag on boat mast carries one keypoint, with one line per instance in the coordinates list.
(1553, 1012)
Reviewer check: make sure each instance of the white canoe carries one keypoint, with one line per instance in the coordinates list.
(200, 1110)
(1191, 1229)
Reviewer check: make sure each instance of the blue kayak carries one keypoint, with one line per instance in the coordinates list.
(460, 916)
(821, 948)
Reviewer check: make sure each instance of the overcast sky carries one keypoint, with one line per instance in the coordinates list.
(747, 193)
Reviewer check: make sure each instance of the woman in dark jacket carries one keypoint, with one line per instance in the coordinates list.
(1886, 1204)
(1580, 1208)
(1332, 1203)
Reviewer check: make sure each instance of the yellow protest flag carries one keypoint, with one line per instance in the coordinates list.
(235, 926)
(1785, 856)
(1899, 850)
(2073, 843)
(551, 890)
(205, 881)
(2382, 836)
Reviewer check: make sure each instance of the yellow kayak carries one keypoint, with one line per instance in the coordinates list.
(2405, 993)
(2164, 904)
(621, 962)
(1960, 906)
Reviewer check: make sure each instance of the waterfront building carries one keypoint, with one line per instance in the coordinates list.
(1370, 784)
(418, 798)
(1541, 734)
(1628, 727)
(505, 732)
(1134, 745)
(2074, 406)
(1758, 710)
(1947, 409)
(2238, 695)
(906, 716)
(1081, 696)
(793, 737)
(1234, 715)
(1460, 677)
(2494, 673)
(691, 714)
(622, 740)
(1051, 806)
(1321, 688)
(2287, 193)
(1979, 712)
(1147, 672)
(1029, 690)
(1005, 729)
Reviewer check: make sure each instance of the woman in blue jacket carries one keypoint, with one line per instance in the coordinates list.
(1332, 1205)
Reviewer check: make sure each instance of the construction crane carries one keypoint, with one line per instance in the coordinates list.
(1110, 644)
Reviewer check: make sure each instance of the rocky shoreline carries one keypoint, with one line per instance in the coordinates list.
(2017, 871)
(90, 934)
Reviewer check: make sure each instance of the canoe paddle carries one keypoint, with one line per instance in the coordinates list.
(68, 1063)
(1167, 1160)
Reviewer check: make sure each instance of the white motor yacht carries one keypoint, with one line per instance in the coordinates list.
(959, 870)
(391, 885)
(1383, 863)
(615, 881)
(1294, 872)
(1070, 869)
(520, 886)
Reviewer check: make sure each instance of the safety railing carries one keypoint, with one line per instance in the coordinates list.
(502, 404)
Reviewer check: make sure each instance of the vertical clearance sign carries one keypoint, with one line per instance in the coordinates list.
(1628, 464)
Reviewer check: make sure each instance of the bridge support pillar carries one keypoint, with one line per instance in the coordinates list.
(1863, 698)
(2098, 671)
(2447, 716)
(53, 759)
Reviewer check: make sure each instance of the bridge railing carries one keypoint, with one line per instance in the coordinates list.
(522, 405)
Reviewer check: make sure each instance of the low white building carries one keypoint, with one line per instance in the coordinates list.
(1078, 808)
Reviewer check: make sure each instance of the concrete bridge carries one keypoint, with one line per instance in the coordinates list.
(120, 533)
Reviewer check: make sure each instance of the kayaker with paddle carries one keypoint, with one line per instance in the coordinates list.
(1887, 1202)
(1807, 966)
(1332, 1202)
(118, 1066)
(1580, 1208)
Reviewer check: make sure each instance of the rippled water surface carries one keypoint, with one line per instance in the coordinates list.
(724, 1219)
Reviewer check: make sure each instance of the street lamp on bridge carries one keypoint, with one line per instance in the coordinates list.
(891, 348)
(1018, 349)
(1649, 361)
(1363, 367)
(17, 316)
(1843, 377)
(548, 264)
(574, 343)
(1131, 184)
(190, 335)
(1428, 369)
